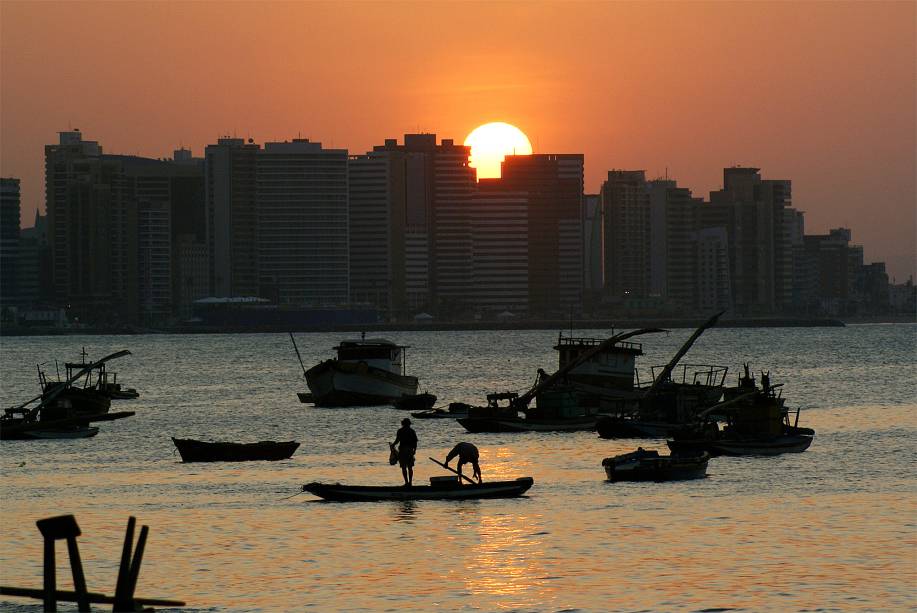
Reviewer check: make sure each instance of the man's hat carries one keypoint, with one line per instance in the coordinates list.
(405, 422)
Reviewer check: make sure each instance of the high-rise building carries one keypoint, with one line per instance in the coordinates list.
(376, 184)
(34, 265)
(501, 258)
(680, 264)
(837, 267)
(411, 243)
(302, 224)
(9, 242)
(91, 231)
(113, 222)
(231, 217)
(758, 218)
(712, 280)
(168, 197)
(626, 213)
(553, 188)
(593, 248)
(658, 203)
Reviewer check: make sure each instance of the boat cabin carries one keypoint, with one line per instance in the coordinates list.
(374, 352)
(615, 367)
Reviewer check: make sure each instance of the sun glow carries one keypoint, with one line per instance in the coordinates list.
(492, 142)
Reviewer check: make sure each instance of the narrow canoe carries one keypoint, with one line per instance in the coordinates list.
(441, 491)
(202, 451)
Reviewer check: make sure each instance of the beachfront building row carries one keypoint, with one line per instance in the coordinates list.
(405, 228)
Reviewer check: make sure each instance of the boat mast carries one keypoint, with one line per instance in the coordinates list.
(667, 371)
(301, 365)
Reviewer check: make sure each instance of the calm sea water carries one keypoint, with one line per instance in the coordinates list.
(829, 529)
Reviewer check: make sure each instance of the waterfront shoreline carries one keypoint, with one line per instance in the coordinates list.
(547, 324)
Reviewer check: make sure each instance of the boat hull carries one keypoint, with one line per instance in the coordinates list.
(791, 443)
(75, 401)
(344, 384)
(366, 493)
(55, 433)
(612, 427)
(419, 402)
(64, 433)
(519, 424)
(202, 451)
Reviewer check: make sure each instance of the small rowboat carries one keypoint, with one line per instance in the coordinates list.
(648, 465)
(440, 488)
(416, 402)
(202, 451)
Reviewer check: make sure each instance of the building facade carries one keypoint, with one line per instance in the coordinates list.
(231, 217)
(302, 237)
(626, 215)
(10, 208)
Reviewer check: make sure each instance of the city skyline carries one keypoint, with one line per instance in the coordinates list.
(824, 94)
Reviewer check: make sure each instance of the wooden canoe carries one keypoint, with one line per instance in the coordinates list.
(439, 490)
(202, 451)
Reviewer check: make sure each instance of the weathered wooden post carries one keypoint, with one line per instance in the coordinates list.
(53, 529)
(129, 570)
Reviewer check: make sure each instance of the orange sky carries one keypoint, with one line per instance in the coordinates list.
(820, 93)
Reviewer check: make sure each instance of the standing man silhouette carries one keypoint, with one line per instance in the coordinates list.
(406, 450)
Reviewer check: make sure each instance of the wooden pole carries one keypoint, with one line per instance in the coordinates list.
(301, 365)
(465, 477)
(124, 570)
(50, 580)
(79, 579)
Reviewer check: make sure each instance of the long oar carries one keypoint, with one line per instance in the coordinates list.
(465, 477)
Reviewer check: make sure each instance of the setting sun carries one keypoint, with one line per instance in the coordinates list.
(492, 142)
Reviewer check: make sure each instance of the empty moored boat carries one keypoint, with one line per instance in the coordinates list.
(366, 372)
(440, 488)
(648, 465)
(202, 451)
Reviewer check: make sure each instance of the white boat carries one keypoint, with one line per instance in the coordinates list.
(365, 372)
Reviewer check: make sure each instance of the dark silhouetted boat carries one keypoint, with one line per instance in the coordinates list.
(648, 465)
(415, 402)
(440, 488)
(757, 423)
(559, 405)
(64, 410)
(202, 451)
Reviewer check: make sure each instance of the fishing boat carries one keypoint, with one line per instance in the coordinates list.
(202, 451)
(417, 402)
(757, 423)
(559, 404)
(556, 410)
(62, 410)
(365, 372)
(90, 393)
(648, 465)
(440, 488)
(674, 395)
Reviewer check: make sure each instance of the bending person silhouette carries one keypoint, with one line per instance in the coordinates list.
(467, 454)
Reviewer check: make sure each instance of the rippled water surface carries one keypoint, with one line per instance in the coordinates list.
(832, 528)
